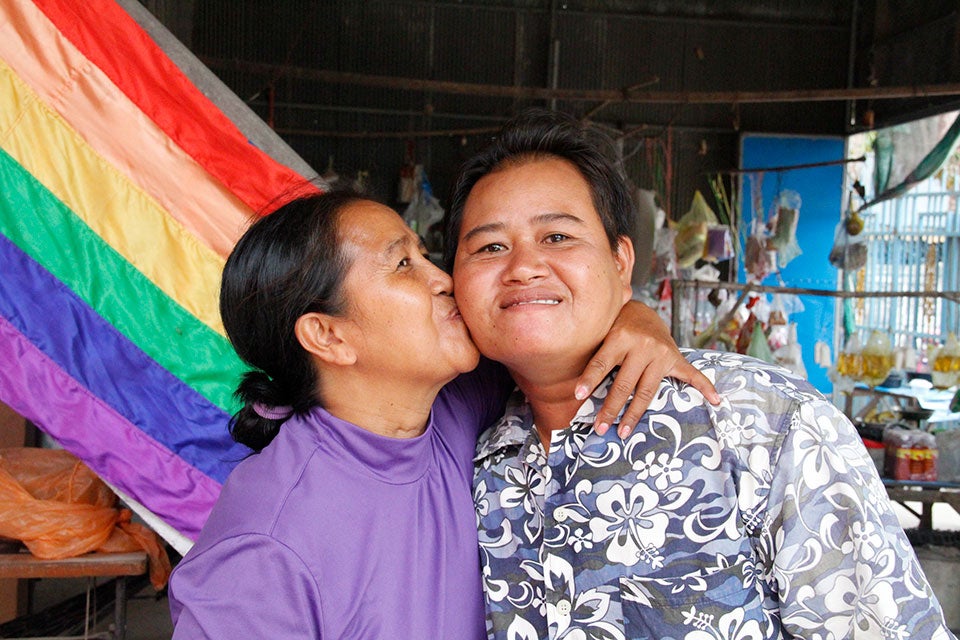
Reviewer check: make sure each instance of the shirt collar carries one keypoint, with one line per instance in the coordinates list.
(391, 460)
(516, 425)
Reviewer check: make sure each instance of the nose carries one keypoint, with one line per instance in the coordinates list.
(525, 264)
(440, 282)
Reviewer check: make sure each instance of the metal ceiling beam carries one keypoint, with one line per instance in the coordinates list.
(628, 95)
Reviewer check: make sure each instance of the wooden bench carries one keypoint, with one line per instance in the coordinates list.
(927, 494)
(91, 565)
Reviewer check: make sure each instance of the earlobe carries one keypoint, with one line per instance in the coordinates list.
(321, 336)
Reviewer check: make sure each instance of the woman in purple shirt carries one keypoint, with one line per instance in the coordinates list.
(356, 518)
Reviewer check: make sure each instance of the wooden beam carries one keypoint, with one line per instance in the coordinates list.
(402, 135)
(629, 94)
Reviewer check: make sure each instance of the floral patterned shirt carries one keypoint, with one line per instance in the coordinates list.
(762, 517)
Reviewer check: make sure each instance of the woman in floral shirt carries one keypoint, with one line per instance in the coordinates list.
(762, 517)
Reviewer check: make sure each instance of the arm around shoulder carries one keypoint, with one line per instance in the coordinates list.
(248, 586)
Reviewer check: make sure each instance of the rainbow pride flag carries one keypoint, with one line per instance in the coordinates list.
(122, 190)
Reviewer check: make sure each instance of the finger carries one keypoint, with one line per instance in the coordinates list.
(596, 370)
(622, 386)
(686, 372)
(650, 365)
(647, 389)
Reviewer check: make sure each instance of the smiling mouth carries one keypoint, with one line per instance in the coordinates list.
(524, 303)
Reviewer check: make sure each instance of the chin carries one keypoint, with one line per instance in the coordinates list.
(463, 357)
(523, 354)
(469, 364)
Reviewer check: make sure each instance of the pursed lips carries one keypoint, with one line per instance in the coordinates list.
(454, 313)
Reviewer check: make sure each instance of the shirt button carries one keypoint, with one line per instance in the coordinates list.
(563, 607)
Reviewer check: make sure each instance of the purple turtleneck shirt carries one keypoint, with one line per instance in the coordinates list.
(335, 532)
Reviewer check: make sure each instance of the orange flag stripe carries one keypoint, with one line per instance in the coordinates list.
(116, 129)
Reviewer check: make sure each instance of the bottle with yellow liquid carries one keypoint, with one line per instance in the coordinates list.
(877, 359)
(850, 360)
(945, 370)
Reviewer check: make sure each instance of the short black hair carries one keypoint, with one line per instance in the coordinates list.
(537, 133)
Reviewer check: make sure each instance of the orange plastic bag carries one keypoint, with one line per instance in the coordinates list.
(59, 508)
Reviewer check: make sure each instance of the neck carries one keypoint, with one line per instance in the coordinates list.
(387, 409)
(551, 397)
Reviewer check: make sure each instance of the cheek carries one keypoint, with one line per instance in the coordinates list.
(467, 284)
(471, 316)
(470, 310)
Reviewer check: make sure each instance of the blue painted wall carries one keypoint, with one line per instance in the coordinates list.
(821, 190)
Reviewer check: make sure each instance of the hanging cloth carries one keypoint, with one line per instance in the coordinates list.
(898, 147)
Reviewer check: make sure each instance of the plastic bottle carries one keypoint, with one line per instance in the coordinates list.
(877, 358)
(910, 454)
(850, 360)
(945, 371)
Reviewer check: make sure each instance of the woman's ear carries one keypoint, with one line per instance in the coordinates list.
(322, 335)
(624, 257)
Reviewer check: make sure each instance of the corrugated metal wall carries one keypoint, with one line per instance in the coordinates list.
(687, 45)
(910, 44)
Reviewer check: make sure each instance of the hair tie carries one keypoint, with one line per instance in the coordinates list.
(272, 413)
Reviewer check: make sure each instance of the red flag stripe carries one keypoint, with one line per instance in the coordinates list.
(140, 68)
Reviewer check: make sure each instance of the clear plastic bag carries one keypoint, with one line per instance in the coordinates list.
(849, 252)
(759, 260)
(784, 238)
(664, 255)
(691, 238)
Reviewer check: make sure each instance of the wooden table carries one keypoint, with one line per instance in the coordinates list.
(926, 493)
(91, 565)
(916, 405)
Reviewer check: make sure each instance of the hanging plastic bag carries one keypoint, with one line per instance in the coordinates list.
(758, 346)
(423, 212)
(778, 330)
(58, 508)
(849, 250)
(692, 231)
(746, 333)
(760, 260)
(719, 244)
(790, 354)
(784, 238)
(664, 255)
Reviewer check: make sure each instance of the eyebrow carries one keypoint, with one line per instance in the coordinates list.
(400, 245)
(395, 246)
(543, 218)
